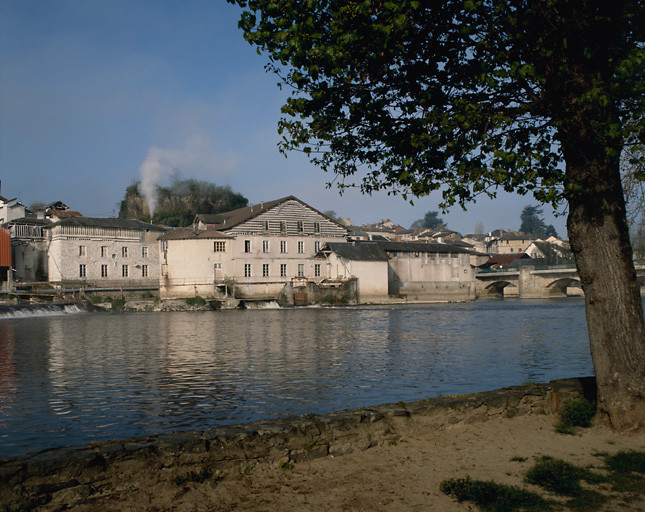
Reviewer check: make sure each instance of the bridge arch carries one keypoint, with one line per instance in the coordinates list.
(496, 288)
(558, 288)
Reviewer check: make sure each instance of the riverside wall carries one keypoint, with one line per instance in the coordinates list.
(55, 479)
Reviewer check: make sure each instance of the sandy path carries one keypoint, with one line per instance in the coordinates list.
(401, 477)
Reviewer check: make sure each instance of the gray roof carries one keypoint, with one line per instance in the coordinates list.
(357, 251)
(109, 223)
(421, 247)
(193, 234)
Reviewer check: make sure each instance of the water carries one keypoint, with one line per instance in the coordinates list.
(69, 379)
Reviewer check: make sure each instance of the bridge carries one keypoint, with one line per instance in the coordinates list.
(535, 282)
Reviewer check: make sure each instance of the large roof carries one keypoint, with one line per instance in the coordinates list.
(357, 251)
(193, 234)
(228, 220)
(422, 247)
(109, 223)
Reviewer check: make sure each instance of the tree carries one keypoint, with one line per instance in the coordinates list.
(179, 203)
(331, 214)
(472, 96)
(550, 231)
(431, 220)
(532, 222)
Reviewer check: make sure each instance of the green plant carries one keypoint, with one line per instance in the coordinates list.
(518, 459)
(195, 301)
(560, 477)
(193, 476)
(327, 299)
(577, 413)
(117, 304)
(492, 497)
(96, 299)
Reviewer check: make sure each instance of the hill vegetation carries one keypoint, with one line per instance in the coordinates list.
(178, 204)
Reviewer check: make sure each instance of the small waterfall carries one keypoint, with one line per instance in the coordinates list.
(40, 310)
(261, 304)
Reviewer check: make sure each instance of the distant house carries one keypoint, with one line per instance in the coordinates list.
(509, 243)
(103, 252)
(504, 260)
(11, 209)
(262, 247)
(550, 253)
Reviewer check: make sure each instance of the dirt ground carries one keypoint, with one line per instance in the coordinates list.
(402, 476)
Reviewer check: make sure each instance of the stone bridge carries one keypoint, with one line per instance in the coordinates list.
(528, 282)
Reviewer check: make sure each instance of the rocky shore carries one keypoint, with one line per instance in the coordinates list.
(155, 472)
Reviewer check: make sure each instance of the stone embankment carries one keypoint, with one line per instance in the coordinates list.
(56, 479)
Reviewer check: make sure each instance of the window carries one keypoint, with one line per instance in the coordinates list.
(104, 252)
(316, 246)
(283, 270)
(104, 270)
(144, 252)
(265, 246)
(301, 227)
(81, 271)
(124, 270)
(144, 270)
(219, 246)
(317, 270)
(265, 270)
(82, 251)
(247, 245)
(247, 270)
(124, 252)
(301, 247)
(316, 227)
(283, 226)
(283, 246)
(164, 245)
(301, 269)
(265, 225)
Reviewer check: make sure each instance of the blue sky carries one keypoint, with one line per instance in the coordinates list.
(91, 91)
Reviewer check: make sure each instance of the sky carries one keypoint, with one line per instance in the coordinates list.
(98, 94)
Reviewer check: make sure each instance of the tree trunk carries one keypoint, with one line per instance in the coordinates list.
(599, 238)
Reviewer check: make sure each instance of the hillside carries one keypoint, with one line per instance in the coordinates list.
(178, 204)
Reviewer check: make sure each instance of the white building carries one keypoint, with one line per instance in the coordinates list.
(103, 252)
(254, 251)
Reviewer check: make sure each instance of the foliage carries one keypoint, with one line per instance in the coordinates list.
(117, 304)
(494, 497)
(180, 202)
(532, 222)
(577, 413)
(560, 477)
(626, 462)
(469, 97)
(195, 301)
(431, 220)
(331, 214)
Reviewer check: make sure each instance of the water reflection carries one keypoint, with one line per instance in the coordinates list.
(73, 379)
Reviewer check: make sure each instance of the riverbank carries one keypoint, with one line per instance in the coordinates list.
(391, 457)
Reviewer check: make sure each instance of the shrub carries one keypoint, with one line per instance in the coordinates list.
(494, 497)
(118, 304)
(195, 301)
(560, 477)
(578, 413)
(96, 299)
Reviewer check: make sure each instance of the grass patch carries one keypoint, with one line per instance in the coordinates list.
(577, 413)
(492, 497)
(519, 459)
(96, 299)
(627, 469)
(117, 304)
(195, 301)
(193, 476)
(561, 477)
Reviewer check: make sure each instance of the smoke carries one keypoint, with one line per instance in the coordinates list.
(196, 157)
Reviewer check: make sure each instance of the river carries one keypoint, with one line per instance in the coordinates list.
(76, 377)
